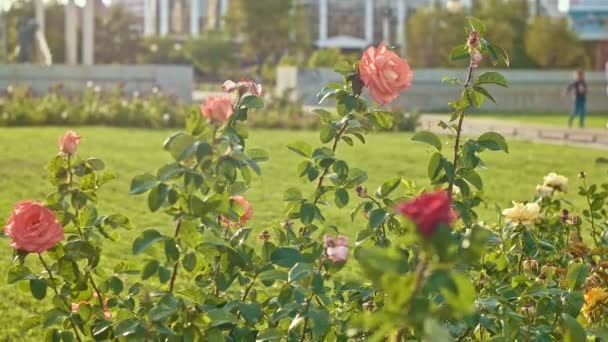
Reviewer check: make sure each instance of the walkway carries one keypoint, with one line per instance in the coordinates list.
(590, 137)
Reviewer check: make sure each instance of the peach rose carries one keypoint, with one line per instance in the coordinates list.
(68, 142)
(217, 108)
(33, 227)
(240, 200)
(384, 73)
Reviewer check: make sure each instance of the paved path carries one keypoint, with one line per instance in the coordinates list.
(590, 137)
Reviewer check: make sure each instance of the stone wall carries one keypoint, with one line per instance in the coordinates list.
(173, 80)
(529, 90)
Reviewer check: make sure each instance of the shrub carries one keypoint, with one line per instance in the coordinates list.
(430, 270)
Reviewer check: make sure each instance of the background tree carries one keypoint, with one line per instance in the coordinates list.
(264, 27)
(117, 39)
(430, 32)
(509, 22)
(551, 44)
(213, 55)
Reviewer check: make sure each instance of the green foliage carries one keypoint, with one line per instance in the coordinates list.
(212, 54)
(205, 279)
(550, 43)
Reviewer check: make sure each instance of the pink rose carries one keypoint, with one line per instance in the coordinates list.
(33, 227)
(68, 142)
(243, 86)
(240, 200)
(217, 108)
(384, 73)
(336, 248)
(428, 211)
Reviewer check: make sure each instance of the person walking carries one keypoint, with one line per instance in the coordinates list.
(579, 88)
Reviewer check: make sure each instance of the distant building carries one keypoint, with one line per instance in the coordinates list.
(589, 19)
(176, 17)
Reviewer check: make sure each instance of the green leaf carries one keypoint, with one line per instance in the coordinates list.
(150, 269)
(252, 102)
(573, 331)
(17, 273)
(472, 177)
(157, 196)
(460, 52)
(270, 334)
(377, 217)
(286, 257)
(341, 168)
(320, 322)
(469, 154)
(477, 25)
(169, 171)
(258, 155)
(327, 92)
(307, 212)
(171, 250)
(327, 134)
(251, 312)
(115, 284)
(483, 91)
(384, 119)
(38, 288)
(53, 316)
(126, 327)
(492, 77)
(428, 138)
(96, 164)
(142, 183)
(292, 195)
(180, 145)
(388, 187)
(577, 272)
(299, 271)
(341, 198)
(221, 317)
(146, 239)
(301, 148)
(493, 141)
(271, 275)
(189, 262)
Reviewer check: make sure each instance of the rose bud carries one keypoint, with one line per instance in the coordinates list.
(69, 142)
(361, 191)
(264, 236)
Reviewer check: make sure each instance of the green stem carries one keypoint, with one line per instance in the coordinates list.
(593, 231)
(458, 133)
(309, 299)
(326, 170)
(54, 287)
(176, 265)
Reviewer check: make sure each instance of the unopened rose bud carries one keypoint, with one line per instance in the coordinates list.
(529, 310)
(473, 40)
(582, 175)
(574, 220)
(530, 265)
(287, 225)
(565, 215)
(369, 305)
(264, 236)
(361, 191)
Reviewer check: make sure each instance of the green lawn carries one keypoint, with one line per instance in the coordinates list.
(24, 152)
(592, 120)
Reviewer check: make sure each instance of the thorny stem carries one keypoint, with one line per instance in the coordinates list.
(54, 287)
(70, 176)
(458, 133)
(308, 300)
(176, 265)
(419, 281)
(593, 231)
(334, 147)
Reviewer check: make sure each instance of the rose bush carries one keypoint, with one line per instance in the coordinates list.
(427, 268)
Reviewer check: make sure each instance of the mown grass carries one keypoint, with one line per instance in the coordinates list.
(25, 151)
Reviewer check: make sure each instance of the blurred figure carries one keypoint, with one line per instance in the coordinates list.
(579, 88)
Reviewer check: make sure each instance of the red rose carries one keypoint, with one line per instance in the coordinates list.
(428, 211)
